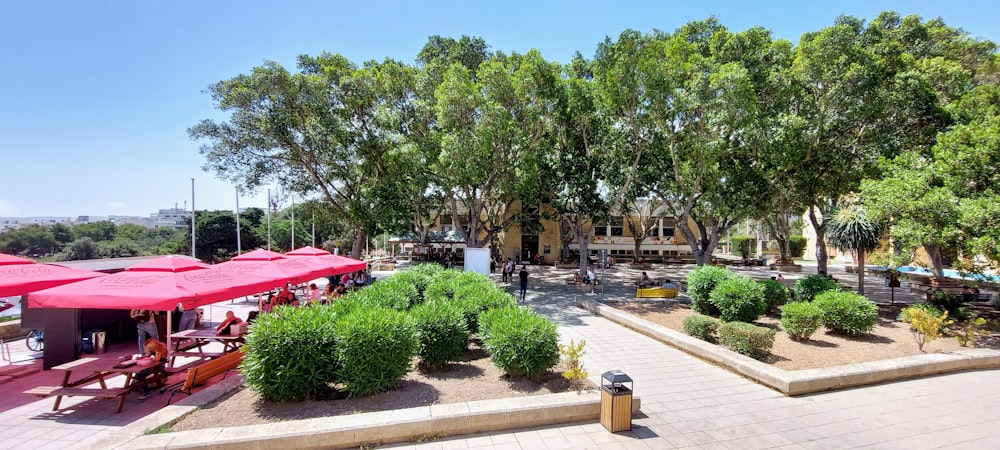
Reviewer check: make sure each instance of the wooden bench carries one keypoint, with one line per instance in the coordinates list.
(655, 292)
(198, 375)
(60, 392)
(983, 297)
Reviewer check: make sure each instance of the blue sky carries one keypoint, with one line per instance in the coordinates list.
(99, 94)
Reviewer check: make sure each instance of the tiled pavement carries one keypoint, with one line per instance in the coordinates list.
(689, 403)
(686, 403)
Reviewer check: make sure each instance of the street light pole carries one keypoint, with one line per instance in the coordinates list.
(192, 220)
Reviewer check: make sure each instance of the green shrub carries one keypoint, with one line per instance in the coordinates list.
(775, 294)
(738, 299)
(701, 327)
(947, 302)
(801, 319)
(477, 296)
(743, 245)
(847, 312)
(389, 293)
(374, 349)
(441, 286)
(291, 354)
(797, 246)
(746, 339)
(419, 276)
(521, 342)
(806, 288)
(701, 281)
(442, 331)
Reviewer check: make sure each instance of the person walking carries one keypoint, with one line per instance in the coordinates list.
(523, 275)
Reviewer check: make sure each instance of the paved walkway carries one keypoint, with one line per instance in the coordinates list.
(686, 403)
(689, 403)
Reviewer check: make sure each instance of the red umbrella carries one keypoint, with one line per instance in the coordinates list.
(338, 264)
(19, 276)
(146, 288)
(273, 265)
(11, 259)
(169, 264)
(308, 251)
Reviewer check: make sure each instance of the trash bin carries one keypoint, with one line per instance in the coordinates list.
(98, 338)
(616, 401)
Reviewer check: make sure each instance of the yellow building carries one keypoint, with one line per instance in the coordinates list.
(544, 237)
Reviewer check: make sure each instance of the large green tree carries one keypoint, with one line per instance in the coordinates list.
(323, 131)
(493, 126)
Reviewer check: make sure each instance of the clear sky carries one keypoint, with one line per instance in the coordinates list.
(98, 95)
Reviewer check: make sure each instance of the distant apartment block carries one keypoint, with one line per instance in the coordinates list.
(166, 218)
(170, 218)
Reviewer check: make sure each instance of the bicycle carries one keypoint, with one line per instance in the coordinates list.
(35, 340)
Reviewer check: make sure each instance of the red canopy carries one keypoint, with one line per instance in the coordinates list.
(342, 264)
(19, 276)
(308, 251)
(169, 264)
(337, 264)
(156, 290)
(11, 259)
(273, 265)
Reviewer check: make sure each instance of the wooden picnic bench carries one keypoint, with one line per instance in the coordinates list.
(201, 373)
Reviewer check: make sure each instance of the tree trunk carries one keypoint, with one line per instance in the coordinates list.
(359, 243)
(782, 247)
(820, 230)
(937, 262)
(637, 244)
(860, 268)
(583, 237)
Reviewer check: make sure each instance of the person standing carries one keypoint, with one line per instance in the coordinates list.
(517, 258)
(523, 275)
(189, 318)
(145, 323)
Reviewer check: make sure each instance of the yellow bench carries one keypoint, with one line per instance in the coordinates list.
(655, 292)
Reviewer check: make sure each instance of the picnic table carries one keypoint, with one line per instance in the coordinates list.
(200, 337)
(99, 369)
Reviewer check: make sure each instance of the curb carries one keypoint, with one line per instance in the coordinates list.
(799, 382)
(424, 422)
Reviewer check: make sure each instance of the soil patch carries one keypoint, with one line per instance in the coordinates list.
(890, 339)
(472, 378)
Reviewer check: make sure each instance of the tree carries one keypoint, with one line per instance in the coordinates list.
(576, 160)
(493, 126)
(323, 131)
(62, 233)
(31, 240)
(81, 248)
(691, 101)
(845, 116)
(850, 229)
(641, 217)
(97, 231)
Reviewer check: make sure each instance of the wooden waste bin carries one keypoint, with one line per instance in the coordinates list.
(616, 401)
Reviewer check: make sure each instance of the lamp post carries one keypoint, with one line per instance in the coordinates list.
(192, 220)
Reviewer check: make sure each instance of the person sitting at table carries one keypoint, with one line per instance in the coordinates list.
(644, 280)
(967, 294)
(157, 352)
(226, 326)
(266, 303)
(313, 294)
(667, 284)
(286, 297)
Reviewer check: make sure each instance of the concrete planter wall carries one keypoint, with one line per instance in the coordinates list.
(12, 330)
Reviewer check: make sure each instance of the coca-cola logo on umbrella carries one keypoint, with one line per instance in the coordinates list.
(131, 281)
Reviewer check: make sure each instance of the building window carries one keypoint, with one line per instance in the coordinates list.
(616, 226)
(668, 232)
(601, 229)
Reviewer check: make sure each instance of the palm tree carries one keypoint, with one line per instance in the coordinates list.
(850, 229)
